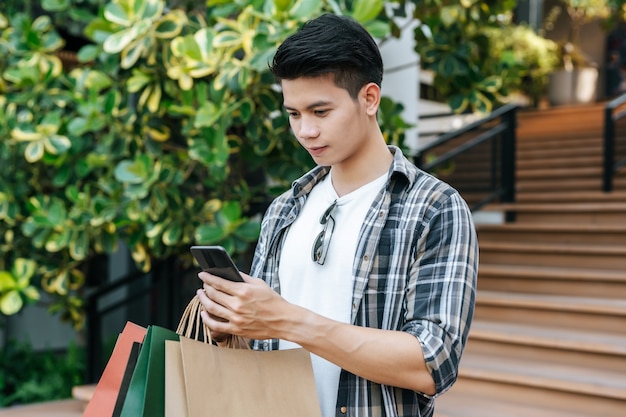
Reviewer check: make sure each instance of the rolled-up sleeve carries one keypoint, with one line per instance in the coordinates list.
(442, 288)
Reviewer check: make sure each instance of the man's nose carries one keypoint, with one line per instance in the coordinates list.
(308, 128)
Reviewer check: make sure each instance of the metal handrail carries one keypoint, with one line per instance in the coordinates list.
(610, 166)
(486, 131)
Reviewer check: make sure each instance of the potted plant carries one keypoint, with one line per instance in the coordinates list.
(576, 79)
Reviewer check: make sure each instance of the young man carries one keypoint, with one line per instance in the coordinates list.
(367, 262)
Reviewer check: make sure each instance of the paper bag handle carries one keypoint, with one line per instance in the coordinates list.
(192, 327)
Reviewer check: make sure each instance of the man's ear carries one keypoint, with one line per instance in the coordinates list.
(370, 94)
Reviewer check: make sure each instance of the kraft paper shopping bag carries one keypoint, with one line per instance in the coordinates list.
(175, 394)
(102, 403)
(240, 382)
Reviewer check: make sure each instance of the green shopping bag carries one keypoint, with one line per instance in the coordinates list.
(146, 391)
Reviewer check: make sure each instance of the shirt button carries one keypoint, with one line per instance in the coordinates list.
(366, 258)
(343, 409)
(266, 345)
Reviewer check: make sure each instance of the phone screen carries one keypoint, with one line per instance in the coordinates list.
(215, 260)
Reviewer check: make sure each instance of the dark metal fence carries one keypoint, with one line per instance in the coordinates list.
(155, 298)
(614, 140)
(477, 159)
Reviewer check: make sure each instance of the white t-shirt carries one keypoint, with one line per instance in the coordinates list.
(325, 289)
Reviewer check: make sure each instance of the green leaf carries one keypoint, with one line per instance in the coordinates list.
(57, 144)
(458, 103)
(120, 40)
(282, 5)
(88, 53)
(24, 268)
(366, 10)
(77, 126)
(231, 210)
(31, 293)
(11, 303)
(55, 5)
(34, 151)
(169, 26)
(378, 29)
(450, 65)
(132, 172)
(305, 9)
(209, 234)
(113, 12)
(248, 231)
(172, 234)
(207, 115)
(7, 281)
(79, 246)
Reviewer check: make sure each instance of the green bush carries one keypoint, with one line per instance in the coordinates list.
(168, 133)
(29, 376)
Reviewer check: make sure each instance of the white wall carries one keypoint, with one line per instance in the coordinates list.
(401, 76)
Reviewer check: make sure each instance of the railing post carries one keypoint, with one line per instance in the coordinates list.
(94, 346)
(609, 143)
(508, 160)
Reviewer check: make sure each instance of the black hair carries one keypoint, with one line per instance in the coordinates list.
(330, 44)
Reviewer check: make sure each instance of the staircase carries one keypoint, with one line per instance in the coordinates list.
(549, 333)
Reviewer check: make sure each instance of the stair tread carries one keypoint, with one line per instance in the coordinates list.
(605, 206)
(539, 373)
(554, 248)
(555, 227)
(531, 271)
(572, 196)
(457, 403)
(549, 336)
(562, 303)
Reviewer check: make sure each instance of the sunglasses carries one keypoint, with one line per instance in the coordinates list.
(322, 241)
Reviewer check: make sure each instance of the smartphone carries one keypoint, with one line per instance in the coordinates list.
(215, 260)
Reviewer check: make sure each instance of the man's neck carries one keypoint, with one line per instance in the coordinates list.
(370, 165)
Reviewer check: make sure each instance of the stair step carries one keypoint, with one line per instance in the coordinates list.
(494, 395)
(570, 197)
(548, 375)
(458, 403)
(554, 233)
(558, 339)
(566, 281)
(548, 154)
(567, 312)
(528, 145)
(553, 172)
(604, 257)
(578, 161)
(611, 212)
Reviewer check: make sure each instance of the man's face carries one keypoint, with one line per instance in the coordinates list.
(328, 123)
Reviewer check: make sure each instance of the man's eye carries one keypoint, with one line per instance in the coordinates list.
(321, 112)
(292, 114)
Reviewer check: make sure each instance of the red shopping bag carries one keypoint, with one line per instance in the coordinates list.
(104, 399)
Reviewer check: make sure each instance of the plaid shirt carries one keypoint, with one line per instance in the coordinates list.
(414, 270)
